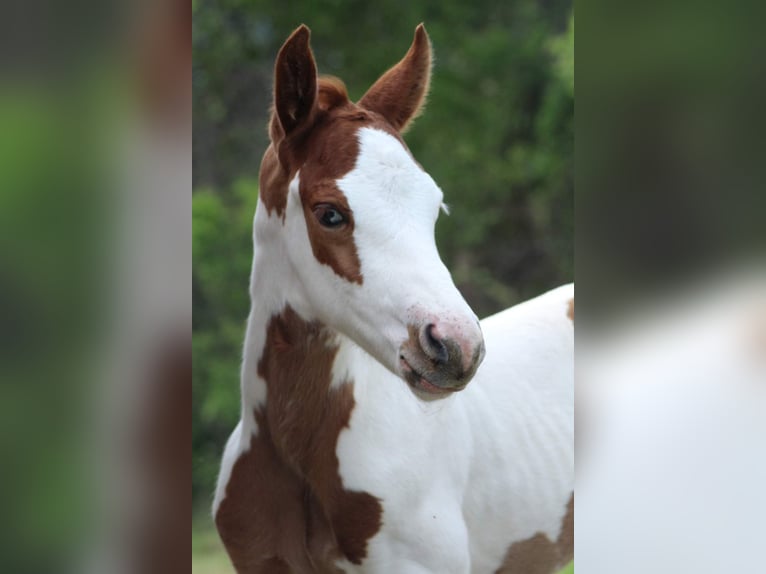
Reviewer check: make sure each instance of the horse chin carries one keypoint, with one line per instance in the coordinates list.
(420, 386)
(422, 391)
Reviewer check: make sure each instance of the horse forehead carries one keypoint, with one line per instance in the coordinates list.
(336, 145)
(385, 169)
(381, 151)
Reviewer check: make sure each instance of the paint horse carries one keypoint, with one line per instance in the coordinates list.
(360, 448)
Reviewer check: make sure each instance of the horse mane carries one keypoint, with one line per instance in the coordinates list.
(331, 94)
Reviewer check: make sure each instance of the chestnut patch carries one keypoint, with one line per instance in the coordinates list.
(539, 554)
(285, 503)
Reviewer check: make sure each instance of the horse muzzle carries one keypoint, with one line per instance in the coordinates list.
(440, 357)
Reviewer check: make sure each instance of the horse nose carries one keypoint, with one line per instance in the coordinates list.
(454, 355)
(433, 346)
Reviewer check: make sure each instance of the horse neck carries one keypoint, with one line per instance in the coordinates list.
(298, 375)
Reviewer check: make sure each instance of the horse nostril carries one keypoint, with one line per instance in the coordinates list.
(434, 347)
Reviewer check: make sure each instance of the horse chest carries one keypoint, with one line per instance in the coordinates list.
(285, 499)
(273, 517)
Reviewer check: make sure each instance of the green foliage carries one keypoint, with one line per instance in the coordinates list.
(222, 252)
(208, 553)
(497, 136)
(51, 264)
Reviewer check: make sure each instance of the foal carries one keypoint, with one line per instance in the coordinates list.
(358, 449)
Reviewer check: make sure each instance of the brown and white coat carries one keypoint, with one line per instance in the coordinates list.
(361, 447)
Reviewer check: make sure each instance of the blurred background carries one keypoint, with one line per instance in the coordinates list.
(95, 297)
(496, 136)
(670, 235)
(670, 147)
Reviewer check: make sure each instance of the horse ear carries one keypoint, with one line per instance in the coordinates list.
(295, 81)
(400, 93)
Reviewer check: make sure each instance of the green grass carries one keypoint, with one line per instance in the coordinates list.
(209, 557)
(208, 554)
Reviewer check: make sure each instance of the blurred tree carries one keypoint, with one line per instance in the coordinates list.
(222, 252)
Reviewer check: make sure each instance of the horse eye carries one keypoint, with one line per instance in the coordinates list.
(328, 215)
